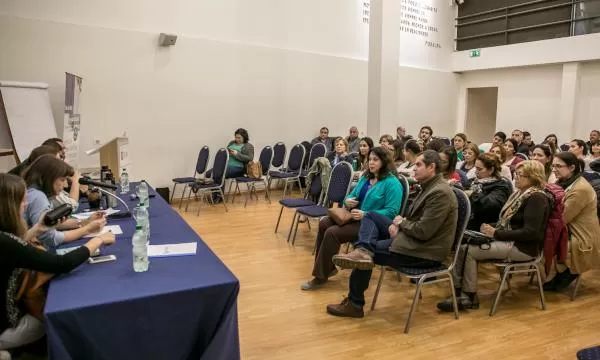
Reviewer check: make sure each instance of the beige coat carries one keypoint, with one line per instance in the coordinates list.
(584, 229)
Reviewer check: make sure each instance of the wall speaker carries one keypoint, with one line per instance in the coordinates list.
(167, 39)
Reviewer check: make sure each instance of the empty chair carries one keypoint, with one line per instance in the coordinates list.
(339, 183)
(293, 169)
(312, 196)
(218, 177)
(265, 158)
(201, 165)
(279, 152)
(316, 151)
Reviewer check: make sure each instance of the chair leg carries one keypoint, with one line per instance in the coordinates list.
(267, 193)
(203, 193)
(228, 190)
(284, 189)
(500, 287)
(223, 197)
(248, 192)
(173, 193)
(188, 199)
(414, 304)
(454, 303)
(278, 219)
(185, 187)
(235, 190)
(381, 275)
(292, 226)
(296, 230)
(541, 288)
(576, 288)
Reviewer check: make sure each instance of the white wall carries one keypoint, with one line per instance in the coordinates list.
(589, 99)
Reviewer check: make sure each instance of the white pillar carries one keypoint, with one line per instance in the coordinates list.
(569, 96)
(384, 47)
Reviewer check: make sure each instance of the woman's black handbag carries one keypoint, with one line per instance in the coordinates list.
(476, 238)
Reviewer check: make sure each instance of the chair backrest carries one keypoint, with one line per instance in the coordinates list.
(202, 162)
(278, 155)
(464, 214)
(318, 150)
(339, 183)
(405, 193)
(294, 164)
(265, 159)
(522, 156)
(564, 147)
(220, 166)
(316, 188)
(446, 140)
(307, 148)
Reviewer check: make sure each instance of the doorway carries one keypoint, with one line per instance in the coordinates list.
(482, 105)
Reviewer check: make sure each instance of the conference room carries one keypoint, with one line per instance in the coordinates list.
(285, 179)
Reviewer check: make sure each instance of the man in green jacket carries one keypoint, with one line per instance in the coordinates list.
(422, 239)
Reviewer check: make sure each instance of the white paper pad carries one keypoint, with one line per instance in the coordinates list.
(172, 249)
(66, 250)
(87, 214)
(115, 229)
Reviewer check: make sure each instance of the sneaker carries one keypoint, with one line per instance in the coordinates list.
(313, 284)
(356, 259)
(463, 301)
(345, 309)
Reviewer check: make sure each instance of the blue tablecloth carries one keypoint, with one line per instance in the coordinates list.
(181, 308)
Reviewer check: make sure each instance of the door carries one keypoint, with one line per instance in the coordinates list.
(482, 105)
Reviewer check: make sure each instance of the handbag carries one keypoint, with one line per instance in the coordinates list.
(340, 216)
(476, 238)
(33, 290)
(254, 170)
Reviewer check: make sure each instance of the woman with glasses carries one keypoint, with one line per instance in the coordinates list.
(543, 154)
(580, 215)
(518, 235)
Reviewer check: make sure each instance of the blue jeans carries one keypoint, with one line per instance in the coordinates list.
(374, 236)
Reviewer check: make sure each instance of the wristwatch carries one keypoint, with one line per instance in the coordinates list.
(400, 222)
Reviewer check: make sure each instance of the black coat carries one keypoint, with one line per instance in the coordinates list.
(487, 203)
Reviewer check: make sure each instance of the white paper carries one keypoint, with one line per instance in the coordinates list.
(85, 215)
(172, 249)
(115, 229)
(66, 250)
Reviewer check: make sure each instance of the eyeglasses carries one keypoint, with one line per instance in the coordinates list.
(558, 166)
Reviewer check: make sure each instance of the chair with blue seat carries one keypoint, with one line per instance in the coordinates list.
(439, 274)
(337, 189)
(279, 152)
(316, 151)
(265, 158)
(218, 177)
(201, 165)
(591, 353)
(312, 197)
(293, 169)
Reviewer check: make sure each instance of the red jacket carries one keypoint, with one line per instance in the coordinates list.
(556, 241)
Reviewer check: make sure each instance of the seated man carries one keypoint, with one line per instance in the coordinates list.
(423, 239)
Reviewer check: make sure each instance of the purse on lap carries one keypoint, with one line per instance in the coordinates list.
(476, 238)
(340, 216)
(33, 290)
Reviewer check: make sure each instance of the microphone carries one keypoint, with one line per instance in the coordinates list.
(86, 181)
(116, 215)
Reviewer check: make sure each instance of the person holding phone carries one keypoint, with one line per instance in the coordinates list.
(379, 192)
(17, 252)
(45, 179)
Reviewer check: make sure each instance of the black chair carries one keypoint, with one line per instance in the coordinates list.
(201, 165)
(279, 152)
(312, 197)
(564, 147)
(438, 274)
(218, 176)
(318, 150)
(293, 169)
(592, 353)
(265, 158)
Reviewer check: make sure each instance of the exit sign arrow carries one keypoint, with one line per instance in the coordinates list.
(475, 53)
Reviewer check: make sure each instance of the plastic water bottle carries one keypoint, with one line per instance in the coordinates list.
(140, 250)
(142, 219)
(124, 182)
(143, 194)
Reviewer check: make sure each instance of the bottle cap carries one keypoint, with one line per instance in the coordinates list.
(138, 227)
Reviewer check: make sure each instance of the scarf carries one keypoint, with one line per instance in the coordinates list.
(13, 311)
(565, 184)
(515, 201)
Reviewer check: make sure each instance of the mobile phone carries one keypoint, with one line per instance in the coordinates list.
(101, 259)
(53, 216)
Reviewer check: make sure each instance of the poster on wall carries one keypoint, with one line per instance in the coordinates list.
(426, 34)
(72, 119)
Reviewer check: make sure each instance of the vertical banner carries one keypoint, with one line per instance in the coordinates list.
(72, 119)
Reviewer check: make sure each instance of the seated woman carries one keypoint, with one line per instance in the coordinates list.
(17, 328)
(552, 141)
(595, 151)
(542, 153)
(579, 148)
(362, 162)
(340, 152)
(411, 151)
(488, 193)
(378, 190)
(387, 143)
(510, 147)
(398, 153)
(460, 142)
(35, 153)
(500, 151)
(448, 166)
(470, 153)
(580, 215)
(45, 179)
(518, 235)
(241, 152)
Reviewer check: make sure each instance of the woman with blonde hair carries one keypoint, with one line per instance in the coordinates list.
(340, 152)
(470, 155)
(518, 235)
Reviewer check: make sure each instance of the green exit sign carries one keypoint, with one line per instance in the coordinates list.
(475, 53)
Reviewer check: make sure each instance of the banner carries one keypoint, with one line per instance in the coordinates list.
(72, 119)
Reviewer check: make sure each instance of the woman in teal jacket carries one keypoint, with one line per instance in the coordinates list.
(378, 191)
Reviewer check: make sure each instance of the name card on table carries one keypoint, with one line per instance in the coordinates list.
(167, 250)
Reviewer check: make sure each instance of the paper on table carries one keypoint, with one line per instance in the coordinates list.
(172, 249)
(63, 251)
(115, 229)
(87, 214)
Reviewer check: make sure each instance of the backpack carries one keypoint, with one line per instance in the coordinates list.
(596, 186)
(254, 170)
(556, 238)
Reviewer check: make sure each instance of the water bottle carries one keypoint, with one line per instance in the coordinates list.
(124, 182)
(140, 250)
(143, 193)
(142, 218)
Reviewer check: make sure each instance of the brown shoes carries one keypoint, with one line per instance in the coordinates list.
(345, 309)
(356, 259)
